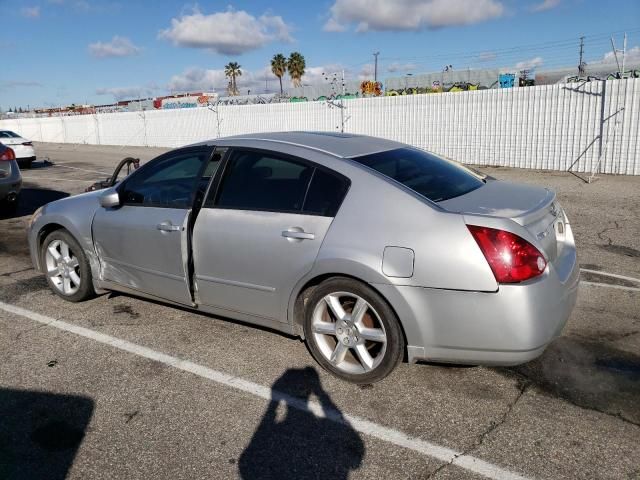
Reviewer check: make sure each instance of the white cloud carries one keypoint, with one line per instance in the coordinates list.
(631, 55)
(127, 93)
(31, 12)
(117, 47)
(531, 63)
(12, 84)
(401, 67)
(229, 33)
(545, 5)
(487, 57)
(411, 14)
(208, 80)
(333, 26)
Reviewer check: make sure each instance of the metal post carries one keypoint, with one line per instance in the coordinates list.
(581, 64)
(624, 50)
(375, 68)
(342, 104)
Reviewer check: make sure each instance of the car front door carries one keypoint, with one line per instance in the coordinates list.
(260, 231)
(143, 243)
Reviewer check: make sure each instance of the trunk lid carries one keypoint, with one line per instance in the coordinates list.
(535, 208)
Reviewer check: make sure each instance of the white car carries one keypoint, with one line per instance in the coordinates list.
(23, 148)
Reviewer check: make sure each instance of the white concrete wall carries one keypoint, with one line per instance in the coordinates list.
(545, 127)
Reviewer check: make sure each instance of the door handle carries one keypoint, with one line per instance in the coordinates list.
(168, 227)
(298, 235)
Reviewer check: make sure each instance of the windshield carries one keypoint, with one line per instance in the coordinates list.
(425, 173)
(8, 134)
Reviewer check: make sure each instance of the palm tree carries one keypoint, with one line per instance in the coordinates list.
(279, 67)
(296, 66)
(231, 71)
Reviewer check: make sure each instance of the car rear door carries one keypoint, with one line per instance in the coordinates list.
(260, 231)
(143, 243)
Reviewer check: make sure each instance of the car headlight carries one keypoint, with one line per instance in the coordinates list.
(36, 215)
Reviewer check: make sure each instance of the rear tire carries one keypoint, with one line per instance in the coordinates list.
(66, 267)
(352, 332)
(26, 164)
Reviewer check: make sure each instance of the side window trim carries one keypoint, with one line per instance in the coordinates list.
(215, 179)
(177, 152)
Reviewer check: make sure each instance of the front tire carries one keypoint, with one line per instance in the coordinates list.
(66, 267)
(352, 332)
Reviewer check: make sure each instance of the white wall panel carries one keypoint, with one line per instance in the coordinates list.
(544, 127)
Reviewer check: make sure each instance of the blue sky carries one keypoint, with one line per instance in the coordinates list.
(59, 52)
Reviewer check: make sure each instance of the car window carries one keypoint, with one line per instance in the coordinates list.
(168, 183)
(325, 193)
(263, 181)
(8, 134)
(426, 174)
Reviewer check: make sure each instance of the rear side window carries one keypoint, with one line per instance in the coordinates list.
(325, 194)
(262, 181)
(426, 174)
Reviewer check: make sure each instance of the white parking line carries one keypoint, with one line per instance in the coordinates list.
(62, 165)
(608, 285)
(54, 178)
(362, 425)
(613, 275)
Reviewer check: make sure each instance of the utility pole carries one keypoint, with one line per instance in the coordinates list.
(581, 64)
(375, 68)
(624, 52)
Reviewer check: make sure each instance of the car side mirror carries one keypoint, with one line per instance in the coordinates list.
(110, 198)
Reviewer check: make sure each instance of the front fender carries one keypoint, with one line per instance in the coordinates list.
(74, 214)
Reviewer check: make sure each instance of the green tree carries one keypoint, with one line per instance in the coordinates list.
(279, 67)
(296, 66)
(233, 70)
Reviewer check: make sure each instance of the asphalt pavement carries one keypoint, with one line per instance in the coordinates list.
(121, 387)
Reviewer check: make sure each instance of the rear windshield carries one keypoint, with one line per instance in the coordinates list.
(424, 173)
(8, 134)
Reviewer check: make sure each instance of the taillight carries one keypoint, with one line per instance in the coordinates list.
(512, 259)
(27, 144)
(7, 155)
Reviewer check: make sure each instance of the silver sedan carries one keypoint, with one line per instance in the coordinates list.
(371, 250)
(10, 179)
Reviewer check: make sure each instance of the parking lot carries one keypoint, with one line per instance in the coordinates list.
(121, 387)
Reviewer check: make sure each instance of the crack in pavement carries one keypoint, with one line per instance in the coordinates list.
(608, 238)
(8, 274)
(523, 385)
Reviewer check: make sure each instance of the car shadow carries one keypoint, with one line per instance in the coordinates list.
(590, 373)
(293, 443)
(40, 433)
(30, 200)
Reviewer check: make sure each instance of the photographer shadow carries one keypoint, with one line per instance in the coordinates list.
(294, 443)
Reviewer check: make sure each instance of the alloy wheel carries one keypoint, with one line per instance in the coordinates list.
(349, 332)
(63, 267)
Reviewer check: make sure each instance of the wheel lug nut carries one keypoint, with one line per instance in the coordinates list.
(345, 341)
(340, 331)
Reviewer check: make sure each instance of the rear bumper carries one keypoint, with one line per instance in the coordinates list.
(10, 186)
(508, 327)
(24, 152)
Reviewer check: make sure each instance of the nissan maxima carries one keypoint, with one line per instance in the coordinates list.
(372, 251)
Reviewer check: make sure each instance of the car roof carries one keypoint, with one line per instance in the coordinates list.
(343, 145)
